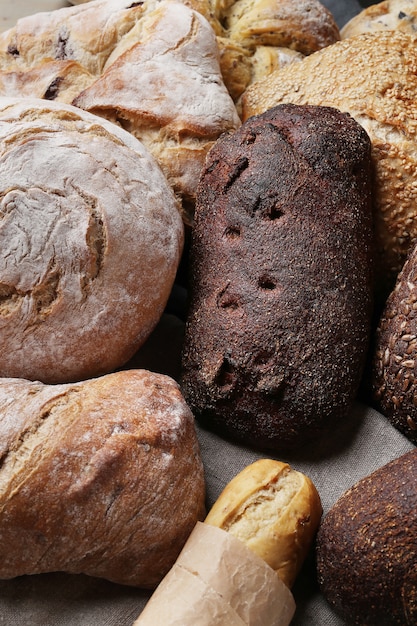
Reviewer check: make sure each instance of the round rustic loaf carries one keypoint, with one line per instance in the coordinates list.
(367, 548)
(281, 277)
(101, 477)
(90, 237)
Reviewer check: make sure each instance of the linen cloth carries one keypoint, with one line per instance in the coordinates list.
(364, 442)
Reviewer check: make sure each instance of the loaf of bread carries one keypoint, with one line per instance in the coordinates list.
(281, 279)
(101, 477)
(238, 566)
(387, 15)
(394, 359)
(167, 71)
(367, 548)
(372, 77)
(274, 510)
(91, 238)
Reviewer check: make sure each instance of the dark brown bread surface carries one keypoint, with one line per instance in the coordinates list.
(367, 548)
(102, 477)
(280, 296)
(394, 369)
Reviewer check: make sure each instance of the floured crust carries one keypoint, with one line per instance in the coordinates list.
(372, 77)
(125, 483)
(274, 510)
(49, 80)
(145, 89)
(91, 238)
(150, 62)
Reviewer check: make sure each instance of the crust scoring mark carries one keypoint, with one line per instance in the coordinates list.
(240, 166)
(53, 89)
(225, 376)
(39, 247)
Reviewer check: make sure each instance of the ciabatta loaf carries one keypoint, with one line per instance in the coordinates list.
(163, 84)
(101, 477)
(90, 238)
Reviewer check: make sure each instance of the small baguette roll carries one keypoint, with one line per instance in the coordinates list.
(269, 513)
(273, 509)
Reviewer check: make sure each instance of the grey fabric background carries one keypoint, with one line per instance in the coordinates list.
(360, 445)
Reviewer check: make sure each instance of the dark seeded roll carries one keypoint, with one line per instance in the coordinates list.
(367, 548)
(395, 356)
(280, 286)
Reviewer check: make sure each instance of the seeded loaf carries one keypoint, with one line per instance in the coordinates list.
(91, 237)
(395, 353)
(281, 278)
(367, 548)
(101, 477)
(372, 77)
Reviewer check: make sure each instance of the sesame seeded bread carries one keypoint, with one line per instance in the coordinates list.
(395, 353)
(102, 477)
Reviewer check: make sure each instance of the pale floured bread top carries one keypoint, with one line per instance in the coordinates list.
(91, 238)
(372, 76)
(388, 15)
(87, 33)
(167, 90)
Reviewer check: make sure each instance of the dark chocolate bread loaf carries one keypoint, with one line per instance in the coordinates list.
(281, 279)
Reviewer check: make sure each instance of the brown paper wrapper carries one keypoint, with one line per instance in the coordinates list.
(218, 581)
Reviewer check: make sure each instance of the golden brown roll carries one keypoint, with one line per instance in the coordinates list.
(387, 15)
(275, 510)
(102, 477)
